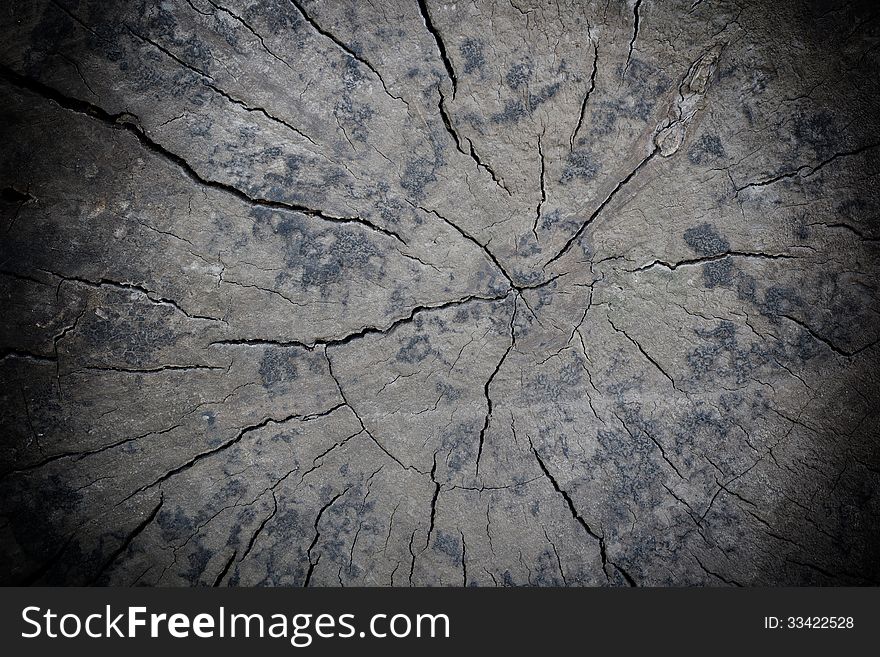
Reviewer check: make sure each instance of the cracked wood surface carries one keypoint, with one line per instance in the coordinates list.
(405, 292)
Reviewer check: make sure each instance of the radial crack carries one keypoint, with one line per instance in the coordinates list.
(129, 538)
(690, 262)
(315, 540)
(251, 29)
(485, 249)
(220, 448)
(346, 49)
(635, 35)
(441, 48)
(130, 123)
(543, 199)
(620, 185)
(587, 94)
(491, 378)
(644, 353)
(571, 507)
(133, 287)
(457, 139)
(806, 169)
(434, 498)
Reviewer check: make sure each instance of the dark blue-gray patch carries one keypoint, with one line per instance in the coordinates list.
(706, 149)
(518, 74)
(197, 562)
(472, 51)
(418, 174)
(818, 131)
(513, 111)
(416, 349)
(353, 117)
(706, 240)
(448, 544)
(719, 273)
(174, 524)
(278, 365)
(460, 443)
(579, 165)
